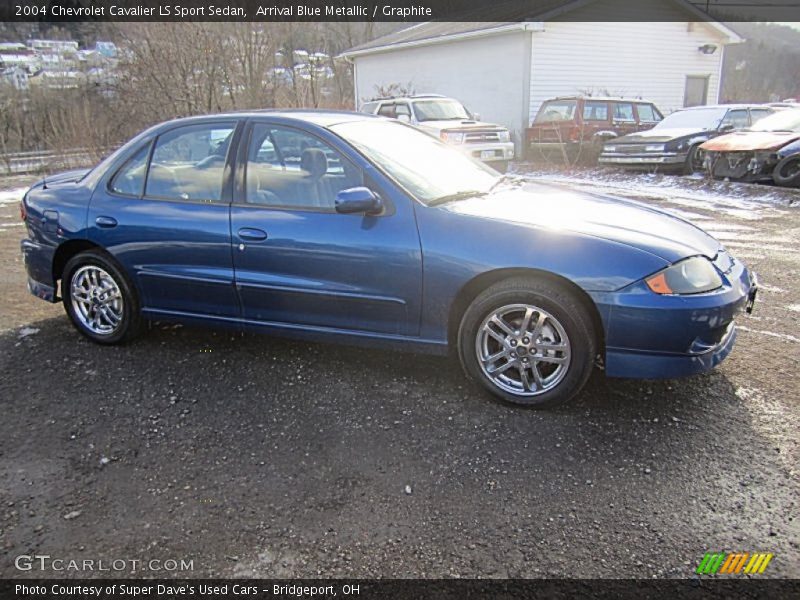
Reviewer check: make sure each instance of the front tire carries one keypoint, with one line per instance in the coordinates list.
(99, 299)
(530, 342)
(694, 160)
(787, 172)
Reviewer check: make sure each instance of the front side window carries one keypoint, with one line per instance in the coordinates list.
(129, 180)
(623, 112)
(289, 168)
(188, 163)
(595, 111)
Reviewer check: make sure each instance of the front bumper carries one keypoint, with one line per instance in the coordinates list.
(649, 336)
(490, 152)
(643, 160)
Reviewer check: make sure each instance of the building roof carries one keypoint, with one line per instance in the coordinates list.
(434, 32)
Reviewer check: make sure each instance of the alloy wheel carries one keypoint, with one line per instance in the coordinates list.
(96, 300)
(523, 349)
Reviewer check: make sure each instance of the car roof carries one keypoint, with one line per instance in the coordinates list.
(602, 99)
(728, 106)
(322, 118)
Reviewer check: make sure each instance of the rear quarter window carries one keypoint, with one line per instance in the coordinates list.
(556, 110)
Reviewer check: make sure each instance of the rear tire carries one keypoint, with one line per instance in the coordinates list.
(787, 172)
(100, 300)
(530, 342)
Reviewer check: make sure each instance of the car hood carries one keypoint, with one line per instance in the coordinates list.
(657, 135)
(744, 141)
(623, 221)
(460, 125)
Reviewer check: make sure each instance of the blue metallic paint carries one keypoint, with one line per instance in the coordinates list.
(390, 279)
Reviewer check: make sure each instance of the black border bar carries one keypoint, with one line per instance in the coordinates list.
(397, 10)
(400, 589)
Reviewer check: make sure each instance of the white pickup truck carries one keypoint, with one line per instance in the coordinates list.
(448, 119)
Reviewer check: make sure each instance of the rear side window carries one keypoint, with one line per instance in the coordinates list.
(129, 180)
(595, 111)
(188, 162)
(623, 112)
(557, 110)
(756, 114)
(648, 113)
(387, 110)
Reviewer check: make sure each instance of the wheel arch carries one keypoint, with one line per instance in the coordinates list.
(481, 282)
(66, 251)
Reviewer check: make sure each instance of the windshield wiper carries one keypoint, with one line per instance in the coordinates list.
(463, 195)
(506, 178)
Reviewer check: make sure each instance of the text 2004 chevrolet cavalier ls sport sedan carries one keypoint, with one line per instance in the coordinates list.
(353, 228)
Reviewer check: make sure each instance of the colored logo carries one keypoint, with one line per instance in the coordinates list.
(716, 563)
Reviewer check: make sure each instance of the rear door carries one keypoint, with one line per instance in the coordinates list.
(623, 117)
(164, 215)
(300, 263)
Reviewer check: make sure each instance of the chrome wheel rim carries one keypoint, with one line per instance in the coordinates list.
(96, 300)
(523, 349)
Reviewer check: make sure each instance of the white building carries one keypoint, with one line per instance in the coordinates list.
(504, 71)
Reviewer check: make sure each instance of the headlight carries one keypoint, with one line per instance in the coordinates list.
(691, 276)
(453, 137)
(654, 148)
(504, 136)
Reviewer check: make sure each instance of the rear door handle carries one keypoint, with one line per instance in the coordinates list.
(254, 235)
(106, 222)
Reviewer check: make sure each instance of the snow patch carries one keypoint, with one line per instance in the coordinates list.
(12, 196)
(26, 331)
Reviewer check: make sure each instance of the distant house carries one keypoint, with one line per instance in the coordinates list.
(504, 71)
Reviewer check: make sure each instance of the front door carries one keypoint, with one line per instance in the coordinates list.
(297, 261)
(164, 215)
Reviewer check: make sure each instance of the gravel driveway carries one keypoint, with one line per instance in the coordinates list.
(254, 456)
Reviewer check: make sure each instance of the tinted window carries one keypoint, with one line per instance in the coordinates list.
(557, 110)
(623, 112)
(736, 118)
(387, 110)
(292, 169)
(595, 111)
(648, 113)
(129, 180)
(188, 162)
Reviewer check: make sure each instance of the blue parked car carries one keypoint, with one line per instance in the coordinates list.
(353, 228)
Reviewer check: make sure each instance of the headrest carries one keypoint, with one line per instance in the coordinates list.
(314, 162)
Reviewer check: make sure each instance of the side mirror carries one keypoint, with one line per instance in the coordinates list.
(358, 200)
(476, 116)
(404, 118)
(726, 128)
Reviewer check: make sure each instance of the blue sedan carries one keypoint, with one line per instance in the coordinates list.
(351, 228)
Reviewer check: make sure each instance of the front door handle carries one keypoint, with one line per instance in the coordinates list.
(106, 222)
(254, 235)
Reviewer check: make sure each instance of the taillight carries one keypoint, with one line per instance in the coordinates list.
(23, 213)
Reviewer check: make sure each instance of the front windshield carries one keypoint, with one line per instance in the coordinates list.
(704, 119)
(440, 110)
(784, 120)
(429, 169)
